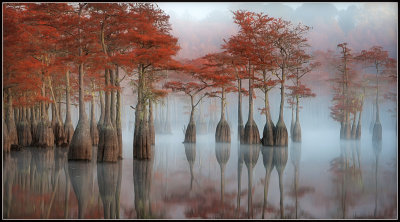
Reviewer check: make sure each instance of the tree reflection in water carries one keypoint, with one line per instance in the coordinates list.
(267, 153)
(295, 156)
(347, 169)
(222, 153)
(81, 176)
(377, 147)
(190, 151)
(142, 172)
(251, 153)
(109, 181)
(280, 160)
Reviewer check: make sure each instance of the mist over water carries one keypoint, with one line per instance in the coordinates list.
(335, 179)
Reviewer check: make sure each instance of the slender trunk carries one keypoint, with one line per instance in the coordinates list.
(281, 134)
(118, 114)
(151, 124)
(93, 126)
(222, 104)
(240, 119)
(112, 112)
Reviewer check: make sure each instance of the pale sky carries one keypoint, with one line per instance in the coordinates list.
(201, 27)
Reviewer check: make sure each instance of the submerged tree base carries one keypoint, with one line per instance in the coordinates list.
(45, 136)
(24, 134)
(223, 132)
(268, 134)
(281, 134)
(251, 134)
(108, 145)
(142, 143)
(59, 135)
(377, 132)
(80, 147)
(296, 136)
(94, 134)
(240, 132)
(190, 134)
(68, 132)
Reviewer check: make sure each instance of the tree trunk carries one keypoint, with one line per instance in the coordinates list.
(108, 143)
(12, 128)
(80, 147)
(297, 129)
(251, 133)
(353, 127)
(223, 133)
(190, 134)
(68, 127)
(281, 134)
(45, 136)
(23, 129)
(141, 140)
(358, 130)
(101, 119)
(377, 130)
(58, 130)
(269, 128)
(118, 114)
(240, 119)
(151, 124)
(94, 133)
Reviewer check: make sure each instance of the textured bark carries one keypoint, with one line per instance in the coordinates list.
(292, 123)
(94, 133)
(102, 111)
(24, 130)
(118, 115)
(151, 124)
(358, 130)
(267, 153)
(251, 133)
(223, 132)
(34, 125)
(141, 139)
(68, 127)
(280, 160)
(12, 128)
(296, 133)
(80, 147)
(113, 99)
(6, 139)
(281, 134)
(240, 118)
(108, 174)
(251, 154)
(222, 153)
(45, 136)
(269, 128)
(353, 127)
(142, 171)
(108, 143)
(81, 177)
(190, 151)
(190, 134)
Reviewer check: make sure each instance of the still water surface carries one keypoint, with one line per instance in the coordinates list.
(320, 178)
